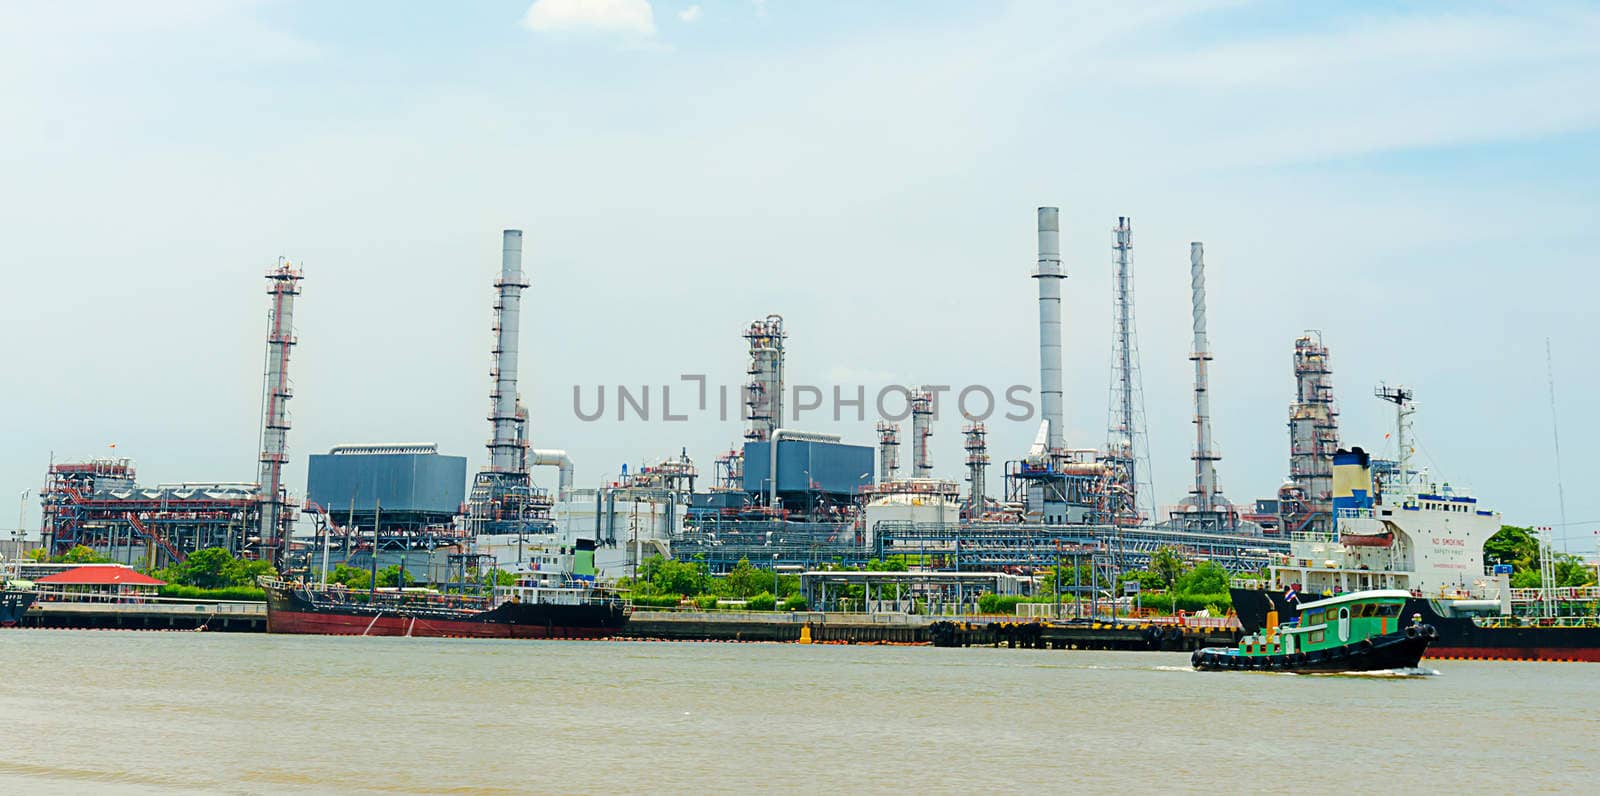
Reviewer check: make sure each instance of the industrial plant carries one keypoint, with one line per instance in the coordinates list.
(779, 496)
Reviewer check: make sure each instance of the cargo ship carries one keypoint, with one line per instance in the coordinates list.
(1399, 530)
(549, 599)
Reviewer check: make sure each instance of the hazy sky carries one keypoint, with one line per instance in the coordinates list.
(1416, 181)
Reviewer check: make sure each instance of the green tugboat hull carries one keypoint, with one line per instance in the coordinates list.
(1393, 651)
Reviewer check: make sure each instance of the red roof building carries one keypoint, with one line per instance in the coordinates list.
(97, 582)
(100, 575)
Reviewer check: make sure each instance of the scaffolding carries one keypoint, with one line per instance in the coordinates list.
(1306, 501)
(729, 471)
(764, 390)
(98, 504)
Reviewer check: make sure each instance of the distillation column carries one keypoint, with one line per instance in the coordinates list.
(1313, 438)
(977, 445)
(276, 518)
(888, 451)
(921, 430)
(764, 391)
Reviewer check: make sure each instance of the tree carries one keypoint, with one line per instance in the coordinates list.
(215, 568)
(1513, 545)
(1168, 564)
(354, 577)
(389, 576)
(80, 555)
(1208, 578)
(1148, 581)
(685, 578)
(745, 580)
(1519, 547)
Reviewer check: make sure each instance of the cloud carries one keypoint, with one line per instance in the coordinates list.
(689, 14)
(618, 16)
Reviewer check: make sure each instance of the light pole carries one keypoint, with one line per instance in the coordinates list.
(22, 512)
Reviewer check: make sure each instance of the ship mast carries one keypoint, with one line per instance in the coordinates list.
(1403, 410)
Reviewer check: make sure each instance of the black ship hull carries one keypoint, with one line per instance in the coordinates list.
(293, 610)
(1459, 637)
(13, 604)
(1393, 651)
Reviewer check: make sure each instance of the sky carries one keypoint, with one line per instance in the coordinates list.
(1415, 181)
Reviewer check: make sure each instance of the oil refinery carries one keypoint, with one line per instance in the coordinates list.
(778, 496)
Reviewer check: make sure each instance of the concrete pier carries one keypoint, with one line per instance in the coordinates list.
(231, 617)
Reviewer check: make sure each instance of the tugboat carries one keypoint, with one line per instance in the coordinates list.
(1357, 632)
(550, 600)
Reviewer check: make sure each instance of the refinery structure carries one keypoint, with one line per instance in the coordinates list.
(779, 496)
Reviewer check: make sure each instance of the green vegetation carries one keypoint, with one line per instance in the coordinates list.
(1170, 584)
(215, 568)
(228, 593)
(77, 555)
(1519, 547)
(665, 583)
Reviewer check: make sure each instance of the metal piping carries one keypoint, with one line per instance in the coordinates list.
(504, 448)
(553, 457)
(1050, 274)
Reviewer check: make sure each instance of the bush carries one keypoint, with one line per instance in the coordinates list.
(795, 602)
(706, 602)
(1172, 603)
(761, 602)
(656, 600)
(227, 594)
(995, 604)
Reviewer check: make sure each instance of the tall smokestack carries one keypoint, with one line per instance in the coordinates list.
(283, 285)
(1050, 275)
(505, 448)
(1205, 493)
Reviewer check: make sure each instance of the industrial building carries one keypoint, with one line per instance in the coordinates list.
(409, 488)
(99, 504)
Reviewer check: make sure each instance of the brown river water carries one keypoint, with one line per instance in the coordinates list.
(148, 712)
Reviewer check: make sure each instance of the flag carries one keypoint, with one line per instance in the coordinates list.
(111, 445)
(1290, 595)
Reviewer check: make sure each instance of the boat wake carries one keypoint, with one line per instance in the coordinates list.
(1381, 673)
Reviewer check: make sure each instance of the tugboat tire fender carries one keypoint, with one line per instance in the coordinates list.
(1413, 631)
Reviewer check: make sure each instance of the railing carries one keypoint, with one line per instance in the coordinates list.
(1569, 593)
(1313, 536)
(1537, 621)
